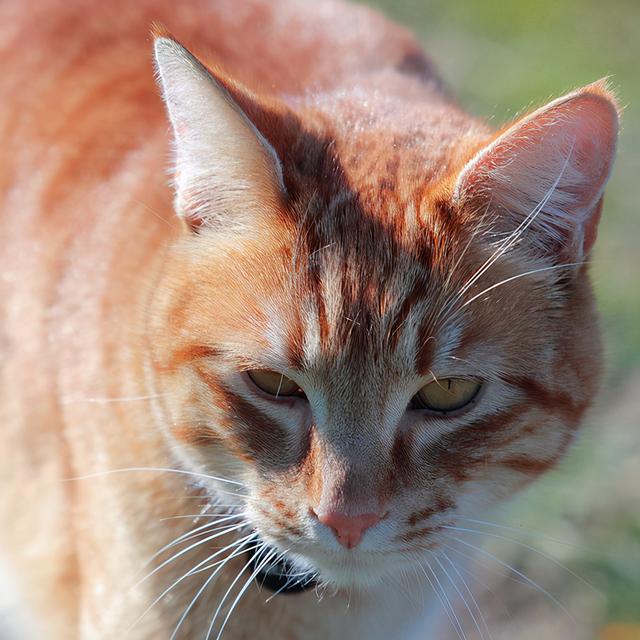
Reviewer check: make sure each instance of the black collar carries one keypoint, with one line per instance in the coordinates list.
(277, 576)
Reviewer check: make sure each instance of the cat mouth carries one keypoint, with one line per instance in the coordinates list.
(295, 571)
(280, 576)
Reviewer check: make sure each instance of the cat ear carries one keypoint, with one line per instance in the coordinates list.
(224, 167)
(545, 175)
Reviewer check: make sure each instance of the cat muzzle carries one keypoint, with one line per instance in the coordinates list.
(280, 577)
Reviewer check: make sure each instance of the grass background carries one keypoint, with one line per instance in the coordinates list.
(500, 58)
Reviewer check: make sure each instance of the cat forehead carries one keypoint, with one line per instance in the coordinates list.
(367, 288)
(376, 224)
(407, 139)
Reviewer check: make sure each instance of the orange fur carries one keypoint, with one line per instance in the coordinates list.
(124, 332)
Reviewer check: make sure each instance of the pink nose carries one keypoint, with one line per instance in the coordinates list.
(348, 529)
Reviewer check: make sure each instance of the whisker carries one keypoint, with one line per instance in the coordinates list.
(249, 580)
(240, 550)
(225, 531)
(463, 253)
(185, 496)
(521, 531)
(195, 516)
(447, 282)
(525, 546)
(504, 246)
(496, 599)
(512, 238)
(191, 572)
(474, 558)
(522, 275)
(154, 212)
(448, 600)
(230, 588)
(444, 601)
(470, 592)
(292, 578)
(275, 561)
(156, 470)
(533, 583)
(403, 585)
(205, 528)
(109, 400)
(198, 569)
(460, 595)
(405, 588)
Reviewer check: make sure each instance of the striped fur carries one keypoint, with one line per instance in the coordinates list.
(347, 225)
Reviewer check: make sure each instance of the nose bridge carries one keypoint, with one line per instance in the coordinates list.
(350, 468)
(350, 473)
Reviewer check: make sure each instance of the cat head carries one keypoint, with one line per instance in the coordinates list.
(377, 319)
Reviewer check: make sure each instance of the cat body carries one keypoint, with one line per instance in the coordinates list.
(325, 223)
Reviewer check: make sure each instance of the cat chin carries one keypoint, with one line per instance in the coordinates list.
(354, 571)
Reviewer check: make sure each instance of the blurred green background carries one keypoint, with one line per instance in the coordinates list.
(500, 58)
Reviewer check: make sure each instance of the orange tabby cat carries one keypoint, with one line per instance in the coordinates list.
(370, 318)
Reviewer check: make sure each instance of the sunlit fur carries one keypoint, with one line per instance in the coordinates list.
(355, 231)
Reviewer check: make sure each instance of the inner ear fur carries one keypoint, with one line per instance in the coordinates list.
(225, 171)
(547, 173)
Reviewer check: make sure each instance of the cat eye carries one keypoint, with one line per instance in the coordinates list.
(447, 394)
(274, 383)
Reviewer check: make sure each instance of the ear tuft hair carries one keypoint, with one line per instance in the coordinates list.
(548, 172)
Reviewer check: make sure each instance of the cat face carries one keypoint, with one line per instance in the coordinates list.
(374, 364)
